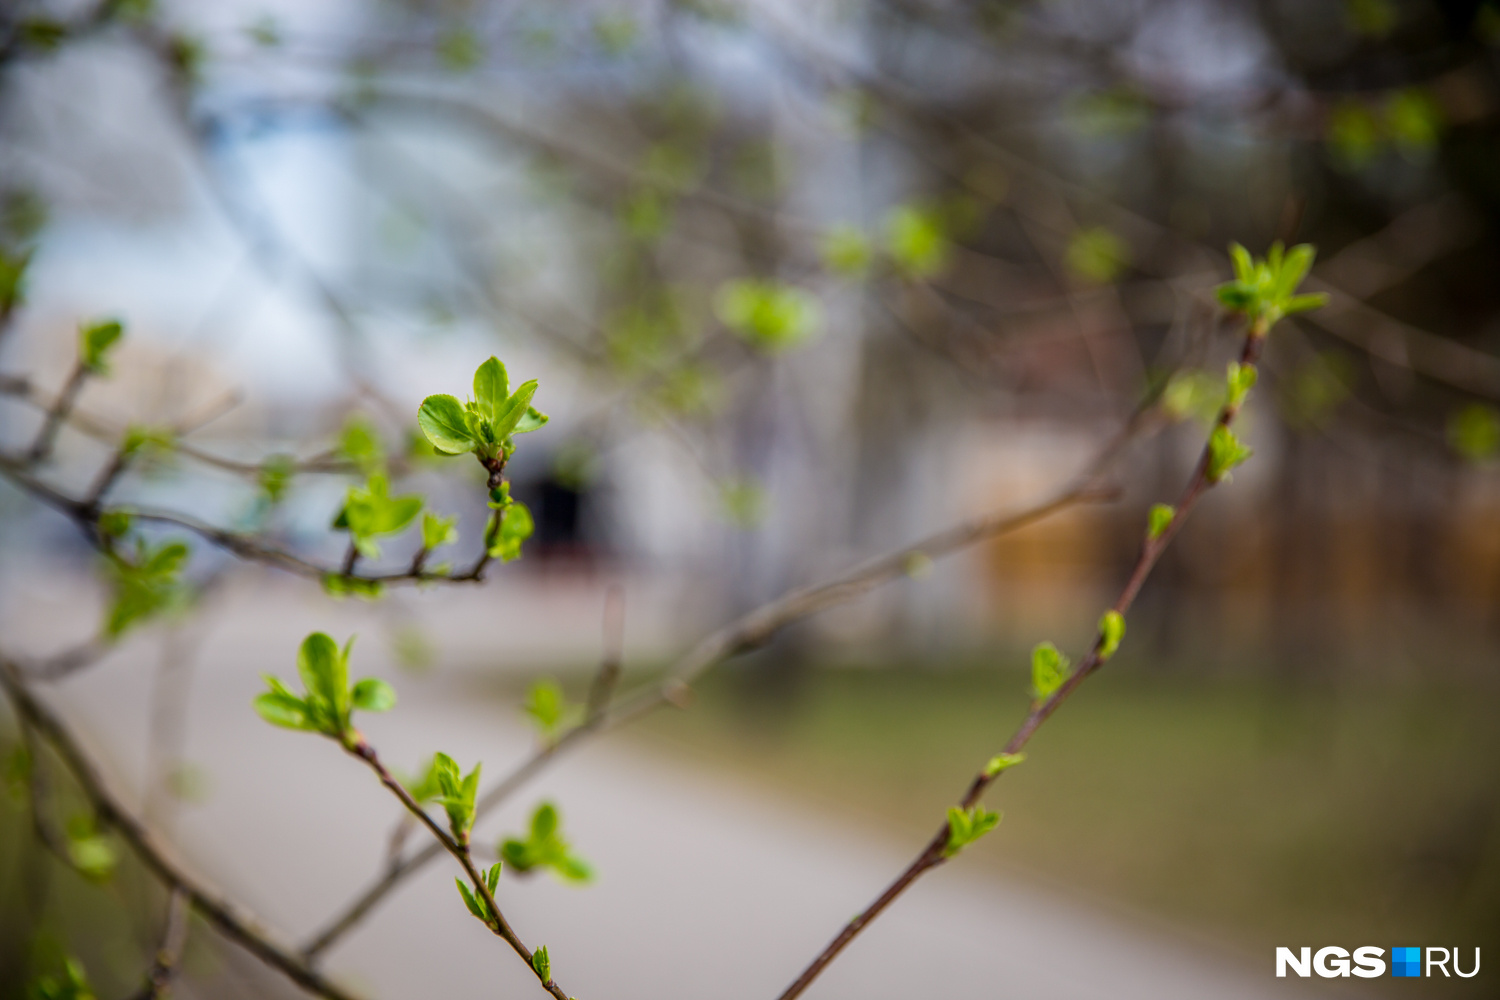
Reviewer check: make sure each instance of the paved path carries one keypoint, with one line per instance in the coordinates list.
(706, 889)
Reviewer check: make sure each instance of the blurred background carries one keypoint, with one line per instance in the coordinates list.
(801, 284)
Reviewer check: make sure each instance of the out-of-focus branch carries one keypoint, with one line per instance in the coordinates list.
(41, 447)
(168, 958)
(220, 911)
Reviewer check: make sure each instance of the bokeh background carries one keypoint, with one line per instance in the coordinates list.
(801, 282)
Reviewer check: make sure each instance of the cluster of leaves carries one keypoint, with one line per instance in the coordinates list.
(1159, 519)
(96, 342)
(485, 424)
(1238, 382)
(1225, 452)
(1049, 669)
(1265, 290)
(1111, 633)
(511, 528)
(966, 826)
(1002, 762)
(328, 700)
(89, 850)
(541, 963)
(475, 901)
(1407, 120)
(770, 317)
(456, 793)
(144, 584)
(549, 709)
(370, 511)
(545, 847)
(73, 984)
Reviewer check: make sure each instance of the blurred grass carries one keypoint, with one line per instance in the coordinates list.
(1256, 813)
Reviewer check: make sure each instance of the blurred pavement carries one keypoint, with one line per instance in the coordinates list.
(706, 889)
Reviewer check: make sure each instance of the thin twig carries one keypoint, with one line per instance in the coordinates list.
(459, 848)
(41, 448)
(229, 917)
(1151, 550)
(609, 664)
(168, 959)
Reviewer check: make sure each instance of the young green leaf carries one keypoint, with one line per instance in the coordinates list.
(91, 853)
(1244, 265)
(144, 585)
(475, 904)
(373, 695)
(95, 343)
(545, 847)
(1049, 669)
(1111, 633)
(542, 964)
(491, 388)
(325, 675)
(549, 709)
(1002, 762)
(508, 416)
(73, 985)
(966, 826)
(445, 422)
(1239, 380)
(437, 531)
(768, 316)
(516, 525)
(359, 444)
(458, 793)
(370, 511)
(1303, 303)
(1159, 519)
(531, 420)
(1225, 452)
(280, 707)
(275, 476)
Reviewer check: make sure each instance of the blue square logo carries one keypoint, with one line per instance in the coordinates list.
(1406, 962)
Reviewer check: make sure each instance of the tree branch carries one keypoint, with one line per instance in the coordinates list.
(229, 917)
(934, 853)
(460, 851)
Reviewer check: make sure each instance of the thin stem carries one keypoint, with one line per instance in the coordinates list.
(168, 959)
(229, 917)
(459, 848)
(609, 664)
(932, 854)
(41, 448)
